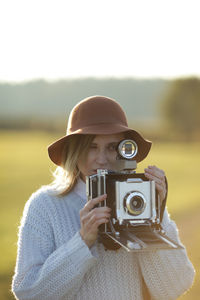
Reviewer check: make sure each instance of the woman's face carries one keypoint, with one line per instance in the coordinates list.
(102, 154)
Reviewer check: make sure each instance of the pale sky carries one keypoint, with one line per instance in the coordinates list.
(54, 39)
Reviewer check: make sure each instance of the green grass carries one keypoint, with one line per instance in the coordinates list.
(25, 166)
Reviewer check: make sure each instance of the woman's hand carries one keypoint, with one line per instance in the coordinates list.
(158, 175)
(91, 217)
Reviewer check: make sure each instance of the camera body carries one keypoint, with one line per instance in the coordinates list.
(131, 196)
(135, 221)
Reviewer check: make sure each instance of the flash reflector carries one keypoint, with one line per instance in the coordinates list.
(127, 149)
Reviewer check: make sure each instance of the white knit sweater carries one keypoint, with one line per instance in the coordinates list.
(53, 262)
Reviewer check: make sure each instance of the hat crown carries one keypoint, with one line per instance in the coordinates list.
(95, 110)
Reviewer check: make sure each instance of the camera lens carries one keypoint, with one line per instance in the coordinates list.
(135, 203)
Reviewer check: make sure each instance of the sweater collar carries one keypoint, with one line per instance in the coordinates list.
(80, 189)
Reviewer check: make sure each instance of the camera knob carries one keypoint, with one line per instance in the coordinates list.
(117, 234)
(163, 232)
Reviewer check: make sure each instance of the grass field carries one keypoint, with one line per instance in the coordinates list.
(25, 166)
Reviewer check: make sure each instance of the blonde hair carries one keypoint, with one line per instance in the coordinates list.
(66, 177)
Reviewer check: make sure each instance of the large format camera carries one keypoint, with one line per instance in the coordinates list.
(135, 221)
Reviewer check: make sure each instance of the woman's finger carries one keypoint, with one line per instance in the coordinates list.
(161, 191)
(95, 215)
(155, 172)
(95, 219)
(156, 179)
(157, 175)
(93, 202)
(91, 224)
(156, 168)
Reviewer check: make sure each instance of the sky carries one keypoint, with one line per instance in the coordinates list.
(56, 39)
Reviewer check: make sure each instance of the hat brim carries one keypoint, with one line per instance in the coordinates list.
(55, 150)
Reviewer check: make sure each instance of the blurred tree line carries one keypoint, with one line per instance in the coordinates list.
(46, 105)
(161, 109)
(181, 109)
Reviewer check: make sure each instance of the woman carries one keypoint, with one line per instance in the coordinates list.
(59, 256)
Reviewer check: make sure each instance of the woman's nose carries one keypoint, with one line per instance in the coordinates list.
(102, 158)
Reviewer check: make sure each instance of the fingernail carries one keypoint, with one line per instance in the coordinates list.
(104, 196)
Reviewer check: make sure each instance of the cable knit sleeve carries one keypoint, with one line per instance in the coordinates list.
(43, 272)
(167, 273)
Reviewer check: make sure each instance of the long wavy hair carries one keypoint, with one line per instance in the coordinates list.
(66, 177)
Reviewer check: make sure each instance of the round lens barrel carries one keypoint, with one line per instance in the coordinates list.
(127, 149)
(135, 203)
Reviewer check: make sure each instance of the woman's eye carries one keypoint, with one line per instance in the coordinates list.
(112, 148)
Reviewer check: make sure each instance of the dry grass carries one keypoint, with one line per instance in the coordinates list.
(25, 166)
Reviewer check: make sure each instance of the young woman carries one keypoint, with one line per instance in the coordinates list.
(59, 255)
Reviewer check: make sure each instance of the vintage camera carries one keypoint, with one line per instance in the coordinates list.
(135, 221)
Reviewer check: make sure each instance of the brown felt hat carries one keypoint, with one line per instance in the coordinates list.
(97, 115)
